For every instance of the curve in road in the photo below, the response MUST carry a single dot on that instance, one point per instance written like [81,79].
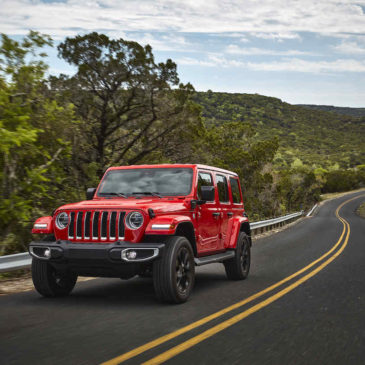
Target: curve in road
[227,323]
[321,321]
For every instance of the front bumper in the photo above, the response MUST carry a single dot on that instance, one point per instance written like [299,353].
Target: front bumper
[118,252]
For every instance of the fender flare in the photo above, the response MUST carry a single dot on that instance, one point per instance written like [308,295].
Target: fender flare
[166,224]
[48,229]
[235,226]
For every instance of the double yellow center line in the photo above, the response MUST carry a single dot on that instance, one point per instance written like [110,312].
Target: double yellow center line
[229,322]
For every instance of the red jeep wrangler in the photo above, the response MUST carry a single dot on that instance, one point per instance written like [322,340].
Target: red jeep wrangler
[159,220]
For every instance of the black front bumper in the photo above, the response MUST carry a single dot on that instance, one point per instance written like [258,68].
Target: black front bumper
[97,259]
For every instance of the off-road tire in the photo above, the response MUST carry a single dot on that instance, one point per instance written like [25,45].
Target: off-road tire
[238,267]
[174,272]
[50,283]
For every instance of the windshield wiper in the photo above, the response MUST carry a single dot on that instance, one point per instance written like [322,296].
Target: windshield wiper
[147,193]
[117,194]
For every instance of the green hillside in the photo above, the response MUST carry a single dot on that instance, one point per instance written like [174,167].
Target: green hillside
[307,136]
[354,112]
[59,134]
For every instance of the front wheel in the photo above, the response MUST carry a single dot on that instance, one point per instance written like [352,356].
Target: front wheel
[238,267]
[174,273]
[49,282]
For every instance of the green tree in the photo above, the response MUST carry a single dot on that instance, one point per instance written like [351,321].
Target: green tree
[234,146]
[132,109]
[32,149]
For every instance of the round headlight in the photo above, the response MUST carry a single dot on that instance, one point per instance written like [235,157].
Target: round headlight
[62,220]
[134,220]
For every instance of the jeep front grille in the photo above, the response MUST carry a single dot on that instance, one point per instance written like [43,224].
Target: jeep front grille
[96,226]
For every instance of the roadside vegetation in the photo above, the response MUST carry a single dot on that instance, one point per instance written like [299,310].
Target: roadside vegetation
[361,210]
[120,107]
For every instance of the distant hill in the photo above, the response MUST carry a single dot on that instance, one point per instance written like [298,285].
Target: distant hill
[307,135]
[354,112]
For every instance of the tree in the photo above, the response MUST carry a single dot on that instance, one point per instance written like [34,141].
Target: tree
[31,129]
[131,108]
[234,146]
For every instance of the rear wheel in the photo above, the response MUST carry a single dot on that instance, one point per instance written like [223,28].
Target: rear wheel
[238,267]
[49,282]
[174,273]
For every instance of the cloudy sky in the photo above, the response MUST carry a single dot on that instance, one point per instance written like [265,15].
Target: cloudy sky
[301,51]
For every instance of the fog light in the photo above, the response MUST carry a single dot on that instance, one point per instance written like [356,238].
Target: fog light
[47,253]
[131,255]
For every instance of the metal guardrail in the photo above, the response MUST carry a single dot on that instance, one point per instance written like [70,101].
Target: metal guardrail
[268,224]
[312,210]
[23,260]
[15,262]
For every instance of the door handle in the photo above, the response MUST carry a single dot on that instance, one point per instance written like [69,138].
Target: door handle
[230,214]
[216,215]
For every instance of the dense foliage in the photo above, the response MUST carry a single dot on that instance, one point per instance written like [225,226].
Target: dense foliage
[307,137]
[354,112]
[35,132]
[58,134]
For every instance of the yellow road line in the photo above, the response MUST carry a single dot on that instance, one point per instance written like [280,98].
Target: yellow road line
[152,344]
[237,318]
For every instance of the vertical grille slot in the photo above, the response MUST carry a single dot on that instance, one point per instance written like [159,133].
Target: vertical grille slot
[87,226]
[112,225]
[79,225]
[71,226]
[121,226]
[104,225]
[96,225]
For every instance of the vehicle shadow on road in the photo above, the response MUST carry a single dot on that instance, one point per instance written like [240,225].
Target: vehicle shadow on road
[136,291]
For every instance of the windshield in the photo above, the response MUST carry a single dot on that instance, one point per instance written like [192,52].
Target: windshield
[153,181]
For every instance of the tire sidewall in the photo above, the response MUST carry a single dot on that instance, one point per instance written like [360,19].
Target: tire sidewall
[43,276]
[164,271]
[245,245]
[180,244]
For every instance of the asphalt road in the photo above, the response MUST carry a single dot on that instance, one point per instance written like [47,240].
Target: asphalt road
[314,317]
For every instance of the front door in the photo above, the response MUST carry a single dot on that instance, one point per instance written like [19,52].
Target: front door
[208,218]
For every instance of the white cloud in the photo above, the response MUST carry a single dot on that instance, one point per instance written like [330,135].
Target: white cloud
[189,61]
[286,65]
[280,19]
[163,42]
[276,36]
[244,40]
[213,60]
[349,48]
[299,65]
[252,51]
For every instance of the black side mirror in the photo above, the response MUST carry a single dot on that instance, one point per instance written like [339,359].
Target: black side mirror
[90,192]
[207,193]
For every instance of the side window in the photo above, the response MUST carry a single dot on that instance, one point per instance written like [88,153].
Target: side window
[222,188]
[204,179]
[235,190]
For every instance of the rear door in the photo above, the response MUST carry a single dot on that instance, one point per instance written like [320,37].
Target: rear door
[236,196]
[208,217]
[225,207]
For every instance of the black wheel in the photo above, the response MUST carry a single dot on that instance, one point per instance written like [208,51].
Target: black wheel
[174,273]
[238,267]
[50,283]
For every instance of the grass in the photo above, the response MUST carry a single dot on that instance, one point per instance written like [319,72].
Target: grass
[337,195]
[361,210]
[23,273]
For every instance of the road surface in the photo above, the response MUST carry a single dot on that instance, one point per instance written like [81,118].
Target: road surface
[303,303]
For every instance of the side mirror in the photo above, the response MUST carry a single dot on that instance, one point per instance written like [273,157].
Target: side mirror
[90,192]
[207,193]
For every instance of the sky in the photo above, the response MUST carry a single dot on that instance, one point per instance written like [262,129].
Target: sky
[301,51]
